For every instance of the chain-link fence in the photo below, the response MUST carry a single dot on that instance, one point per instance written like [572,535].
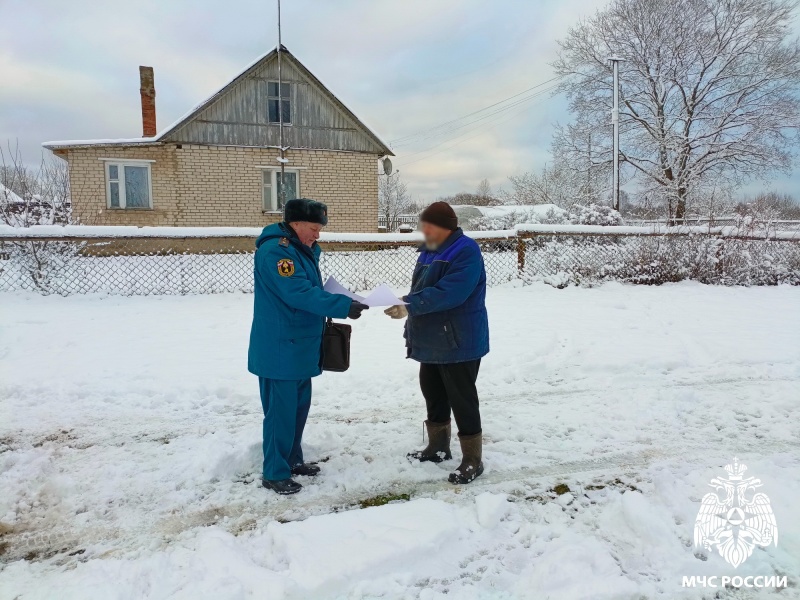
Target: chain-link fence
[131,265]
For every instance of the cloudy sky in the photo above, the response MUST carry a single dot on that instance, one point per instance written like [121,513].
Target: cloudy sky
[69,70]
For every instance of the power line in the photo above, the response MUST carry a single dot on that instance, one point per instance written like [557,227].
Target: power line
[499,122]
[481,118]
[406,139]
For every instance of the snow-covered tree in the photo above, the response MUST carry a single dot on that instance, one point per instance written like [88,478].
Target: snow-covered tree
[709,90]
[394,199]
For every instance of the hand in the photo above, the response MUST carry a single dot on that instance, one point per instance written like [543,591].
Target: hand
[397,312]
[356,308]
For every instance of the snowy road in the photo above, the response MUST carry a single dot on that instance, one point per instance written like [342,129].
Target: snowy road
[129,450]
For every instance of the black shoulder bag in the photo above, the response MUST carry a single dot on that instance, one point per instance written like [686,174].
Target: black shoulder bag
[336,347]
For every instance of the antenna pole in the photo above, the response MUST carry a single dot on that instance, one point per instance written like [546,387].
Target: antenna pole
[282,186]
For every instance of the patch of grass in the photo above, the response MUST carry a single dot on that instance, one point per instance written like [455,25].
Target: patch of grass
[561,489]
[382,499]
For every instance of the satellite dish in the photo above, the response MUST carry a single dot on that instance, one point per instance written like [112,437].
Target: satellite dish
[387,166]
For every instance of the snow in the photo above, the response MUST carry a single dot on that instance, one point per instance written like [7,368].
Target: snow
[89,231]
[9,197]
[130,450]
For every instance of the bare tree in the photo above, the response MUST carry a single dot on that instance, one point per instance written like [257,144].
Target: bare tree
[393,199]
[33,197]
[709,89]
[36,197]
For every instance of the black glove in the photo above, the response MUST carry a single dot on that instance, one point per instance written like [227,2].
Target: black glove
[356,308]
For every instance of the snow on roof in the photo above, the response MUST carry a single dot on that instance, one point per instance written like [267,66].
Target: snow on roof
[9,197]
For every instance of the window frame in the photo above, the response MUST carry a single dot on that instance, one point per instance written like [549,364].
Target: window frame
[273,184]
[120,181]
[289,99]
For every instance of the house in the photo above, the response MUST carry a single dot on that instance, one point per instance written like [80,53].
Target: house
[219,165]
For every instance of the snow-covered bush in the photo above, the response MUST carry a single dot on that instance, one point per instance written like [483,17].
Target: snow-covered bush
[507,217]
[653,260]
[594,214]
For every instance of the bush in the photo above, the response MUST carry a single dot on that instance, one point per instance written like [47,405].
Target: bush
[594,214]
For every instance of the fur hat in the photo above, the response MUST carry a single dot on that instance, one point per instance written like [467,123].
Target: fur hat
[303,209]
[441,214]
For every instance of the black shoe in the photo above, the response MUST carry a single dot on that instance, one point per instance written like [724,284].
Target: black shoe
[307,469]
[284,487]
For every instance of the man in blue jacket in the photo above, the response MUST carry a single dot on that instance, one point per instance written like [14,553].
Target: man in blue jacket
[285,352]
[447,332]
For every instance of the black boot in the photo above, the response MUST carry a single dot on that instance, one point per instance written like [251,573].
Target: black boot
[471,465]
[284,487]
[438,448]
[307,469]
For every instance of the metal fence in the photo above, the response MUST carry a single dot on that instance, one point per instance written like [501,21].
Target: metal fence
[143,265]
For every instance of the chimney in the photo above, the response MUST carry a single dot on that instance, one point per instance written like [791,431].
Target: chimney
[147,91]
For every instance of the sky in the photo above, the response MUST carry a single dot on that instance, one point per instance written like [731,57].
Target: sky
[69,70]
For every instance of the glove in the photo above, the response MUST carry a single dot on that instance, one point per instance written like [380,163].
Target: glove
[356,308]
[397,312]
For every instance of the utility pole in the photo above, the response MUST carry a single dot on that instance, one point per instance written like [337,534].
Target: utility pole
[615,122]
[282,185]
[589,191]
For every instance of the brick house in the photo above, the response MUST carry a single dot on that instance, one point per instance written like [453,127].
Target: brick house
[218,165]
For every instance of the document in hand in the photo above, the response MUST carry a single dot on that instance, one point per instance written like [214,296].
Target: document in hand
[380,296]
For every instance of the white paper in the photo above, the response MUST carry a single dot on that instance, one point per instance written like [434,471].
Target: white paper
[380,296]
[334,287]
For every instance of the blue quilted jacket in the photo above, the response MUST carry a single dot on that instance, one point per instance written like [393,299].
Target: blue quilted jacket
[447,319]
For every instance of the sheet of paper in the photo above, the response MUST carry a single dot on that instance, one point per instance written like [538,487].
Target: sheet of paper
[334,287]
[382,296]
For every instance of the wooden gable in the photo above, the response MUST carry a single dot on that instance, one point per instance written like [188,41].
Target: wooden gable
[237,115]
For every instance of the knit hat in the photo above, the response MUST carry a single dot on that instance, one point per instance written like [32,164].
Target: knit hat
[303,209]
[441,214]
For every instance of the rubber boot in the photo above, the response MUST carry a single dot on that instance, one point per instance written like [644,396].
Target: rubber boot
[438,448]
[471,465]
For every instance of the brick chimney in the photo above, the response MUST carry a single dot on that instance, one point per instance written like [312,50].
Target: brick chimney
[147,91]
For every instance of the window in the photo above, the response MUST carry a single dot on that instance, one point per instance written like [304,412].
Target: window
[284,101]
[128,185]
[271,179]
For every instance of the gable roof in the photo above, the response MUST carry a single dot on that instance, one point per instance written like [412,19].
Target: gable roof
[170,133]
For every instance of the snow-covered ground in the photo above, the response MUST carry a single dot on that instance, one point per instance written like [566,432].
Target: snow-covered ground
[130,451]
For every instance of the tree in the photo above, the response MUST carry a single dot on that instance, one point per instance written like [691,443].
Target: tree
[393,200]
[709,89]
[33,197]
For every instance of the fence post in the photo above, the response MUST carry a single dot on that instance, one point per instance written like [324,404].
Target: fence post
[520,255]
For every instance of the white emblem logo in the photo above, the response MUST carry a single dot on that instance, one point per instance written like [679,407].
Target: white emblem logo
[735,524]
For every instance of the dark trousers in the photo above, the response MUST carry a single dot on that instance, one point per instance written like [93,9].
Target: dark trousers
[286,404]
[452,386]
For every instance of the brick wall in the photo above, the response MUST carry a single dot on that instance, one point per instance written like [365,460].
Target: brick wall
[221,186]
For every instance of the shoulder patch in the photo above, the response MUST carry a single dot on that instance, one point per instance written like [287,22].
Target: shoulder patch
[285,267]
[284,242]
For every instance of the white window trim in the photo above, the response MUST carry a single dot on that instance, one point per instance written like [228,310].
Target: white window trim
[120,164]
[273,208]
[127,160]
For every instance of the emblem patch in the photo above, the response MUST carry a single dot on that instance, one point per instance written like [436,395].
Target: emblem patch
[285,267]
[735,519]
[284,242]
